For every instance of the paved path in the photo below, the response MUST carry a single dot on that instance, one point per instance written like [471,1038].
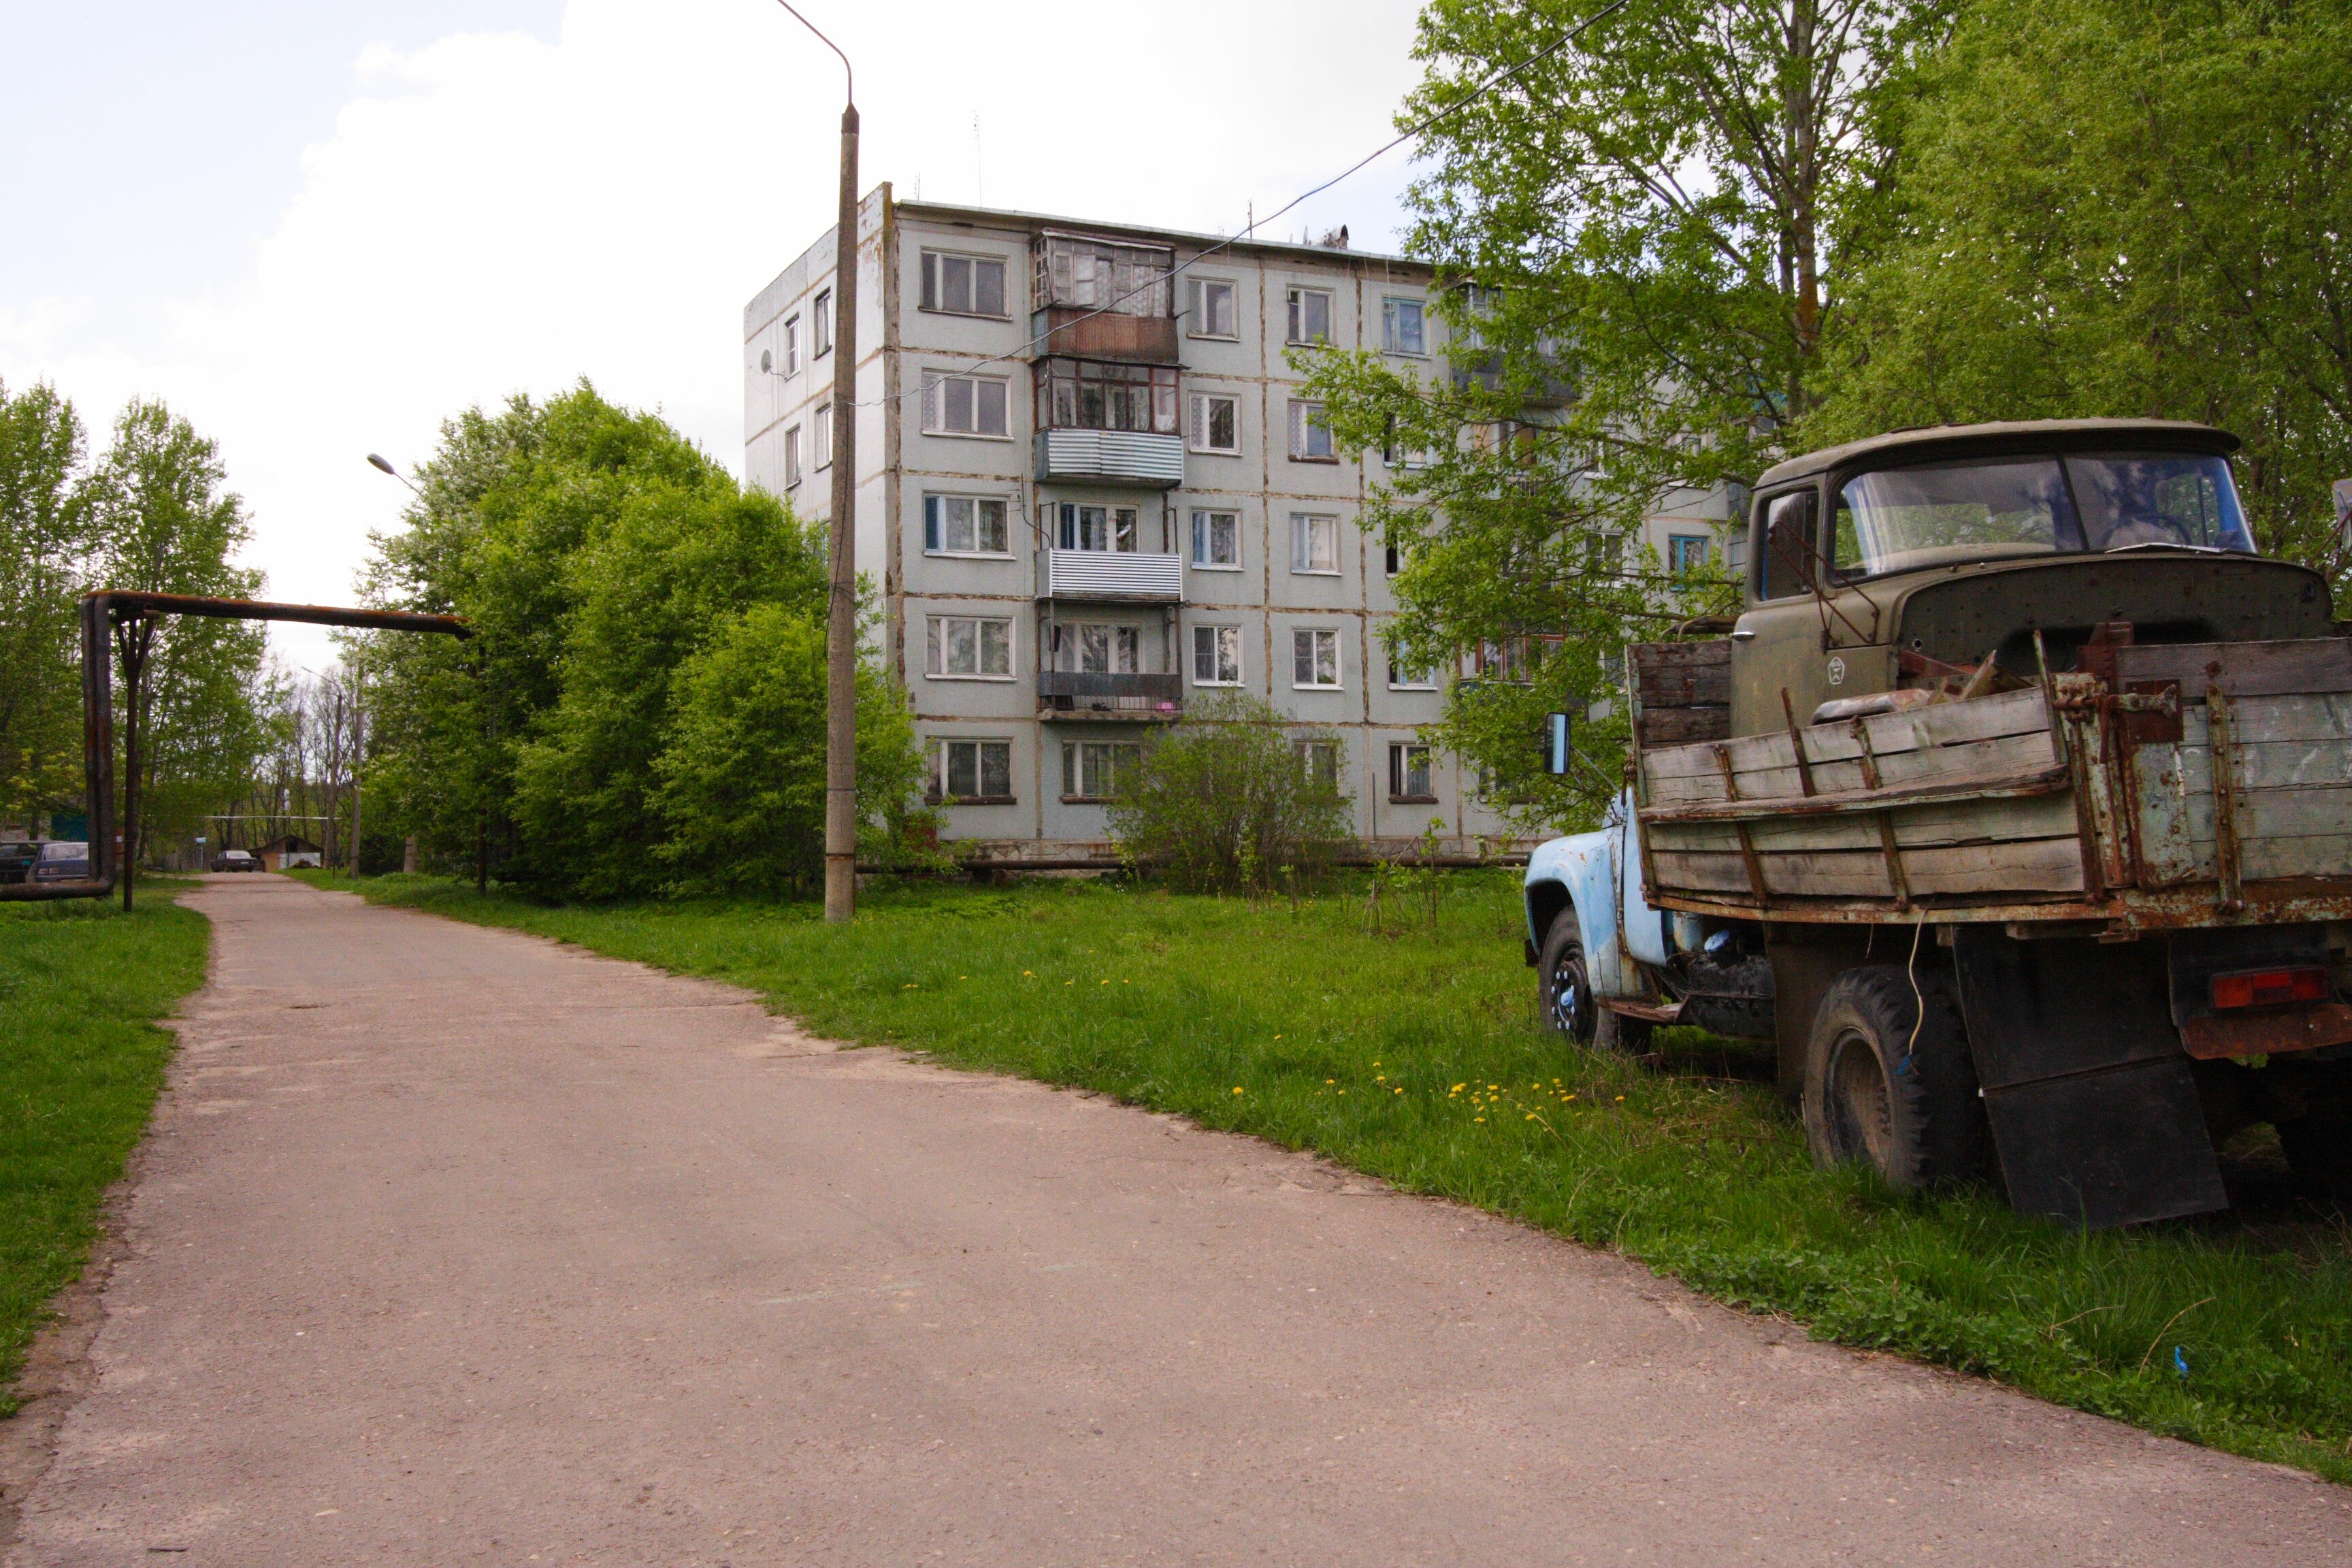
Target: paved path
[453,1246]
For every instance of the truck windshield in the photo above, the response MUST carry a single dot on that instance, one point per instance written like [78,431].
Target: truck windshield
[1898,520]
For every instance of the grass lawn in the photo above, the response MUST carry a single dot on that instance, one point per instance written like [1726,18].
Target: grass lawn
[81,986]
[1415,1055]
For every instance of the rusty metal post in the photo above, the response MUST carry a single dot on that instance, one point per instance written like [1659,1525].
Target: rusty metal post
[138,635]
[840,623]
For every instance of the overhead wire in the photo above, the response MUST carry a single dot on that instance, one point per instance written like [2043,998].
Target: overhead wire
[1248,233]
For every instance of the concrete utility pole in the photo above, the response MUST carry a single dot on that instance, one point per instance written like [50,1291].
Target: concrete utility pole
[841,622]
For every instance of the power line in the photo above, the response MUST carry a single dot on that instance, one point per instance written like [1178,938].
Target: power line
[1256,223]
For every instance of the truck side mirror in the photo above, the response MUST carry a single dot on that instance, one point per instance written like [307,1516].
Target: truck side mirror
[1556,747]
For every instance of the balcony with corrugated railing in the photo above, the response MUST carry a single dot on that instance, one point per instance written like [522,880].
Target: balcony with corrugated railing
[1153,698]
[1110,576]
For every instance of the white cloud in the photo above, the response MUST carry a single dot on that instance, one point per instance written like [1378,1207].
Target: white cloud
[497,213]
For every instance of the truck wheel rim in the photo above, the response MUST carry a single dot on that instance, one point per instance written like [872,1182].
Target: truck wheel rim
[1858,1093]
[1567,999]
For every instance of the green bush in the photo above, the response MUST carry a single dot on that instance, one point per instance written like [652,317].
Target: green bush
[1228,801]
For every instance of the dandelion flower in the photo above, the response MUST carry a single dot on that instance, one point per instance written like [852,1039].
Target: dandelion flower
[1238,1089]
[1621,1100]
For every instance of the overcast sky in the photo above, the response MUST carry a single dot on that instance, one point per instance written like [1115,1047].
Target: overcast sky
[319,227]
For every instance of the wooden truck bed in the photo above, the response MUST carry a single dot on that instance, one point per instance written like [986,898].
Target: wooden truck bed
[2085,797]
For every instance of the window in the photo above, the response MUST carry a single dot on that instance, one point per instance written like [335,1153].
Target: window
[1402,326]
[792,345]
[966,648]
[1685,551]
[965,525]
[963,285]
[1310,434]
[1314,543]
[791,457]
[1216,423]
[963,405]
[1409,778]
[1403,679]
[1319,761]
[1791,549]
[1392,556]
[1315,658]
[1098,649]
[1131,280]
[1217,541]
[1110,528]
[1310,316]
[1213,313]
[1090,769]
[1080,394]
[1216,655]
[1506,659]
[973,773]
[821,324]
[824,436]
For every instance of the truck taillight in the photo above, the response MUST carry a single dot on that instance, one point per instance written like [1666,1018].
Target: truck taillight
[2269,987]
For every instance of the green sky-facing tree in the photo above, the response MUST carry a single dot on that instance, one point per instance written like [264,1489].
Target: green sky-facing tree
[44,554]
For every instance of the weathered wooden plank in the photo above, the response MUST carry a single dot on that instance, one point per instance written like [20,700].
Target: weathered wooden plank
[1996,871]
[2275,764]
[2040,865]
[1677,726]
[2248,668]
[1998,820]
[1683,685]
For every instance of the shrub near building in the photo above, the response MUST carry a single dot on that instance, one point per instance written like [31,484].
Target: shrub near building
[1231,800]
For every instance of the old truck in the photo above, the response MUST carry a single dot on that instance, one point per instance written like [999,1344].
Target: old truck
[2015,807]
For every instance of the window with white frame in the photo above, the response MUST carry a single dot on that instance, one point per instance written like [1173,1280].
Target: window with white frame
[1214,311]
[968,647]
[1314,543]
[821,324]
[1310,316]
[1110,527]
[964,405]
[963,285]
[1314,658]
[1310,433]
[792,345]
[1216,423]
[1091,769]
[973,773]
[1403,679]
[1217,541]
[966,525]
[1403,329]
[791,457]
[1216,655]
[1409,773]
[823,437]
[1319,761]
[1097,647]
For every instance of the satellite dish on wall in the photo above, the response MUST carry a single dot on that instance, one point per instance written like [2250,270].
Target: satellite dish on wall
[766,361]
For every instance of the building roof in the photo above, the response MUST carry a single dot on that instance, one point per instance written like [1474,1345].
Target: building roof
[1932,441]
[1174,239]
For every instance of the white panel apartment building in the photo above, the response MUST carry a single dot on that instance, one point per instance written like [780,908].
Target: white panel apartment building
[1081,519]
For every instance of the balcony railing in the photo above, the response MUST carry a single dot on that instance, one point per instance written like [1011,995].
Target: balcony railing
[1080,694]
[1073,332]
[1111,456]
[1110,575]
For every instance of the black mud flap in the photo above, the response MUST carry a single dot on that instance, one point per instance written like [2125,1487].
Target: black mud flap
[2093,1110]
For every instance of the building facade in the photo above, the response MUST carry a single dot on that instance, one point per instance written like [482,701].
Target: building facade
[1089,493]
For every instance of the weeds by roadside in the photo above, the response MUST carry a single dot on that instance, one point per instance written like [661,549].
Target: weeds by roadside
[81,1059]
[1416,1058]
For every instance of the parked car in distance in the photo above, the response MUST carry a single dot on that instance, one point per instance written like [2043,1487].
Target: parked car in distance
[62,860]
[236,861]
[16,859]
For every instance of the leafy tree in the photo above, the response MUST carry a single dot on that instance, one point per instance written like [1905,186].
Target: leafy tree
[596,553]
[741,781]
[45,549]
[1643,236]
[161,521]
[2128,207]
[1226,801]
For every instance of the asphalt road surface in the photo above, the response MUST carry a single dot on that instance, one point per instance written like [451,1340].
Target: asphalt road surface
[453,1246]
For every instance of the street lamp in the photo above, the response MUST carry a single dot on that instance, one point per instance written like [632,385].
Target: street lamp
[841,620]
[378,460]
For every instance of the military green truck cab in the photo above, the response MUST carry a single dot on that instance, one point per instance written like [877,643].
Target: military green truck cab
[2015,809]
[1873,564]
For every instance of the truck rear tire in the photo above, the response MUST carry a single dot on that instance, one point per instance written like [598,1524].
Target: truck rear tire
[1887,1087]
[2318,1143]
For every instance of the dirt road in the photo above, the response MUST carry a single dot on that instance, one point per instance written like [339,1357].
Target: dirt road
[452,1246]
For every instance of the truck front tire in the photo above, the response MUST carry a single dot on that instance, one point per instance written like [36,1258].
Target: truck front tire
[1889,1088]
[1563,988]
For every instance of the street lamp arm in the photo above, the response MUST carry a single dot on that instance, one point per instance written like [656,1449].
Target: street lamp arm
[850,90]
